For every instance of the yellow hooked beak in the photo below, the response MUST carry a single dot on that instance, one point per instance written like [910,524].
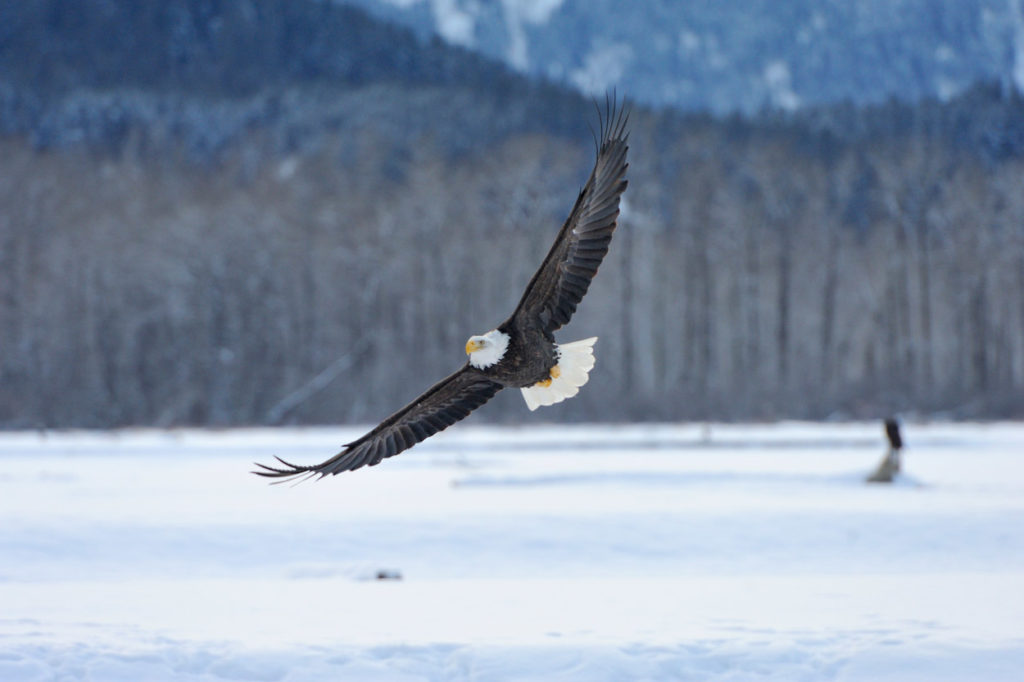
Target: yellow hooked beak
[473,346]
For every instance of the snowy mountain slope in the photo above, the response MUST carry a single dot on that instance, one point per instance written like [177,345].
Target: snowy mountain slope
[738,54]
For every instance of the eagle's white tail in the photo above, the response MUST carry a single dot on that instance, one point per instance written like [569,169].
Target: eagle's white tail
[575,360]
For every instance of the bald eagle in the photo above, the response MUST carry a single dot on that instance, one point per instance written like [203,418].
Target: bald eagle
[520,352]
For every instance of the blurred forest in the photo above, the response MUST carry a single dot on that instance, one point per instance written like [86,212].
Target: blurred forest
[231,213]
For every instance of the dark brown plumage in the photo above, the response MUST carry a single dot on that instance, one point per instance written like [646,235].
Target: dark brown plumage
[890,464]
[563,278]
[892,432]
[444,403]
[530,355]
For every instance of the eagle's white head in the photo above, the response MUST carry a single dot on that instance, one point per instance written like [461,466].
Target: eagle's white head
[485,350]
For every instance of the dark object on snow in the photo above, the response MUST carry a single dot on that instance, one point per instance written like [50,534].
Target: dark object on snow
[890,464]
[521,352]
[387,574]
[892,432]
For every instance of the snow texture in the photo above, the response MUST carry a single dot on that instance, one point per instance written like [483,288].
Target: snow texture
[1017,15]
[729,55]
[586,553]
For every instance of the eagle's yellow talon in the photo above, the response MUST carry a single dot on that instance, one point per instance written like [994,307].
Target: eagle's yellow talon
[554,374]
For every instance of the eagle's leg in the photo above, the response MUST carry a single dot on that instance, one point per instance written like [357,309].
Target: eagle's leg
[553,374]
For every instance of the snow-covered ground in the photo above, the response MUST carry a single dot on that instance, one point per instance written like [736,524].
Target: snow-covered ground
[555,553]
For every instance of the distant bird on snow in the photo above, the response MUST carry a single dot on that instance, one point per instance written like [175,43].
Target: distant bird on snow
[890,465]
[521,352]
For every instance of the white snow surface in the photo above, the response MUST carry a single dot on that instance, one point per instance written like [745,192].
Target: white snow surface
[607,553]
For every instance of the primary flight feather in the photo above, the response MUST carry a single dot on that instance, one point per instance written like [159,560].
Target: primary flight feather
[521,352]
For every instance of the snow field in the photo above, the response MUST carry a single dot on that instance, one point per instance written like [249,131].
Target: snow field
[556,553]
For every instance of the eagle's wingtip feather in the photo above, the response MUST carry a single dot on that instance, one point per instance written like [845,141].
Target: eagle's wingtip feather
[288,472]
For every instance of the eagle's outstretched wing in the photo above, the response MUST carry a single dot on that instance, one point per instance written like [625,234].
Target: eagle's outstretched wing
[444,403]
[558,286]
